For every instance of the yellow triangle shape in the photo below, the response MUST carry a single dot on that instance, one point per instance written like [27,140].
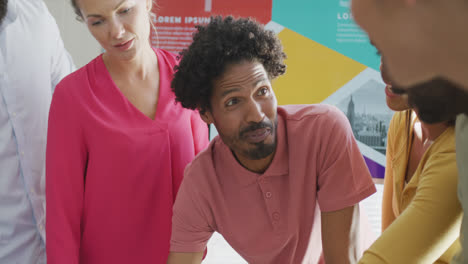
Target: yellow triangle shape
[314,72]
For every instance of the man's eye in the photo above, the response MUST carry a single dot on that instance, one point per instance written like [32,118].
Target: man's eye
[263,91]
[232,102]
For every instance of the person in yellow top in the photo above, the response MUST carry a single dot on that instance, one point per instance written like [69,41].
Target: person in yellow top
[421,215]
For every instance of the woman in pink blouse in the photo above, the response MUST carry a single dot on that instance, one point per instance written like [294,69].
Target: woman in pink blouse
[117,145]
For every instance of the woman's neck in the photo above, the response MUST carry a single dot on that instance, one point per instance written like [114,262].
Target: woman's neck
[430,132]
[140,66]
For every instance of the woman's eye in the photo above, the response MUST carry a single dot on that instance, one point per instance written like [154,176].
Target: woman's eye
[125,11]
[96,23]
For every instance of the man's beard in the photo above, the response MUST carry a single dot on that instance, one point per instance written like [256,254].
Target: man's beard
[435,101]
[3,10]
[261,150]
[438,100]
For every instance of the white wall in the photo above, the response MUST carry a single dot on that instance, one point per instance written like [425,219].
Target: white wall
[76,37]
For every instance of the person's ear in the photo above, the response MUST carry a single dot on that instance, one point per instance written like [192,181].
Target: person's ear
[207,117]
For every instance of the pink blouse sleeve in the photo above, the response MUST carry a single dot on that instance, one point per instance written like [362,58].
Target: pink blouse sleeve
[65,175]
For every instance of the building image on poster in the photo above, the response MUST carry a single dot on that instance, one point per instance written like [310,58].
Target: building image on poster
[368,119]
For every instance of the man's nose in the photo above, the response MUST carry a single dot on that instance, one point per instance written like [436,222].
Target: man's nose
[255,112]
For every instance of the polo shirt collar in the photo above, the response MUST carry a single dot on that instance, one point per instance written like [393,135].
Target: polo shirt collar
[278,167]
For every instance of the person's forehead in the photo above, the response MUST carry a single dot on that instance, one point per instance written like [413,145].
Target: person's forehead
[244,67]
[102,6]
[241,73]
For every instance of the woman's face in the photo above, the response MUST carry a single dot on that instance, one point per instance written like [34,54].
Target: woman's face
[122,27]
[396,102]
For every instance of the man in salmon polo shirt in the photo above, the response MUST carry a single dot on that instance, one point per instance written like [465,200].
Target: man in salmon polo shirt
[280,183]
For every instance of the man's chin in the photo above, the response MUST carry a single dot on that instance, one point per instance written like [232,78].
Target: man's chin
[433,118]
[260,151]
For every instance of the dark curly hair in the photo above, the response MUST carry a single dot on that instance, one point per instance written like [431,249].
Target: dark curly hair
[216,45]
[3,10]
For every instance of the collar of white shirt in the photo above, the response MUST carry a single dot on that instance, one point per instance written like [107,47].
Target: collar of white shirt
[11,15]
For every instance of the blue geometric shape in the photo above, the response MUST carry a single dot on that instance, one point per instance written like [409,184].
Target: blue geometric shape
[327,22]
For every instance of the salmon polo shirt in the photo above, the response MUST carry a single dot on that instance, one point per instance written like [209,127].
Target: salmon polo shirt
[271,217]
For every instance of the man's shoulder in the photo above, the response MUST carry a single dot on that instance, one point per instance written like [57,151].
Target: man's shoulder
[313,125]
[311,115]
[33,12]
[30,6]
[202,165]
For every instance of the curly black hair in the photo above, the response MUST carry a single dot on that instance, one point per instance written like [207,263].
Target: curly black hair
[222,42]
[3,10]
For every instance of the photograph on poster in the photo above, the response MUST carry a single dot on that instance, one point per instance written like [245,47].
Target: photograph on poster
[368,119]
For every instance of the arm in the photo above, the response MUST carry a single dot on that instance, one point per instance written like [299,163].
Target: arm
[340,235]
[429,225]
[191,221]
[65,169]
[387,200]
[343,181]
[185,258]
[61,63]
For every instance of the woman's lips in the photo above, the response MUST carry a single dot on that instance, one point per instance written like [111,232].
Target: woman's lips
[389,92]
[125,45]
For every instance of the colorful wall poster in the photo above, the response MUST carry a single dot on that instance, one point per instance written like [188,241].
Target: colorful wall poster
[175,19]
[330,59]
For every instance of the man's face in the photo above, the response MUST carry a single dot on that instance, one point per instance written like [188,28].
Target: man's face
[3,10]
[243,110]
[435,101]
[402,33]
[438,100]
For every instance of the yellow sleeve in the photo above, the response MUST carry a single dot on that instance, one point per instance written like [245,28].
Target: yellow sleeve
[387,211]
[429,225]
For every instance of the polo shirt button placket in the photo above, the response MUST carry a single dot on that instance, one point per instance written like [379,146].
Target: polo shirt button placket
[261,180]
[268,195]
[276,218]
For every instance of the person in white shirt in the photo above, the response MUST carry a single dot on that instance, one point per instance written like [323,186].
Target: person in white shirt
[32,61]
